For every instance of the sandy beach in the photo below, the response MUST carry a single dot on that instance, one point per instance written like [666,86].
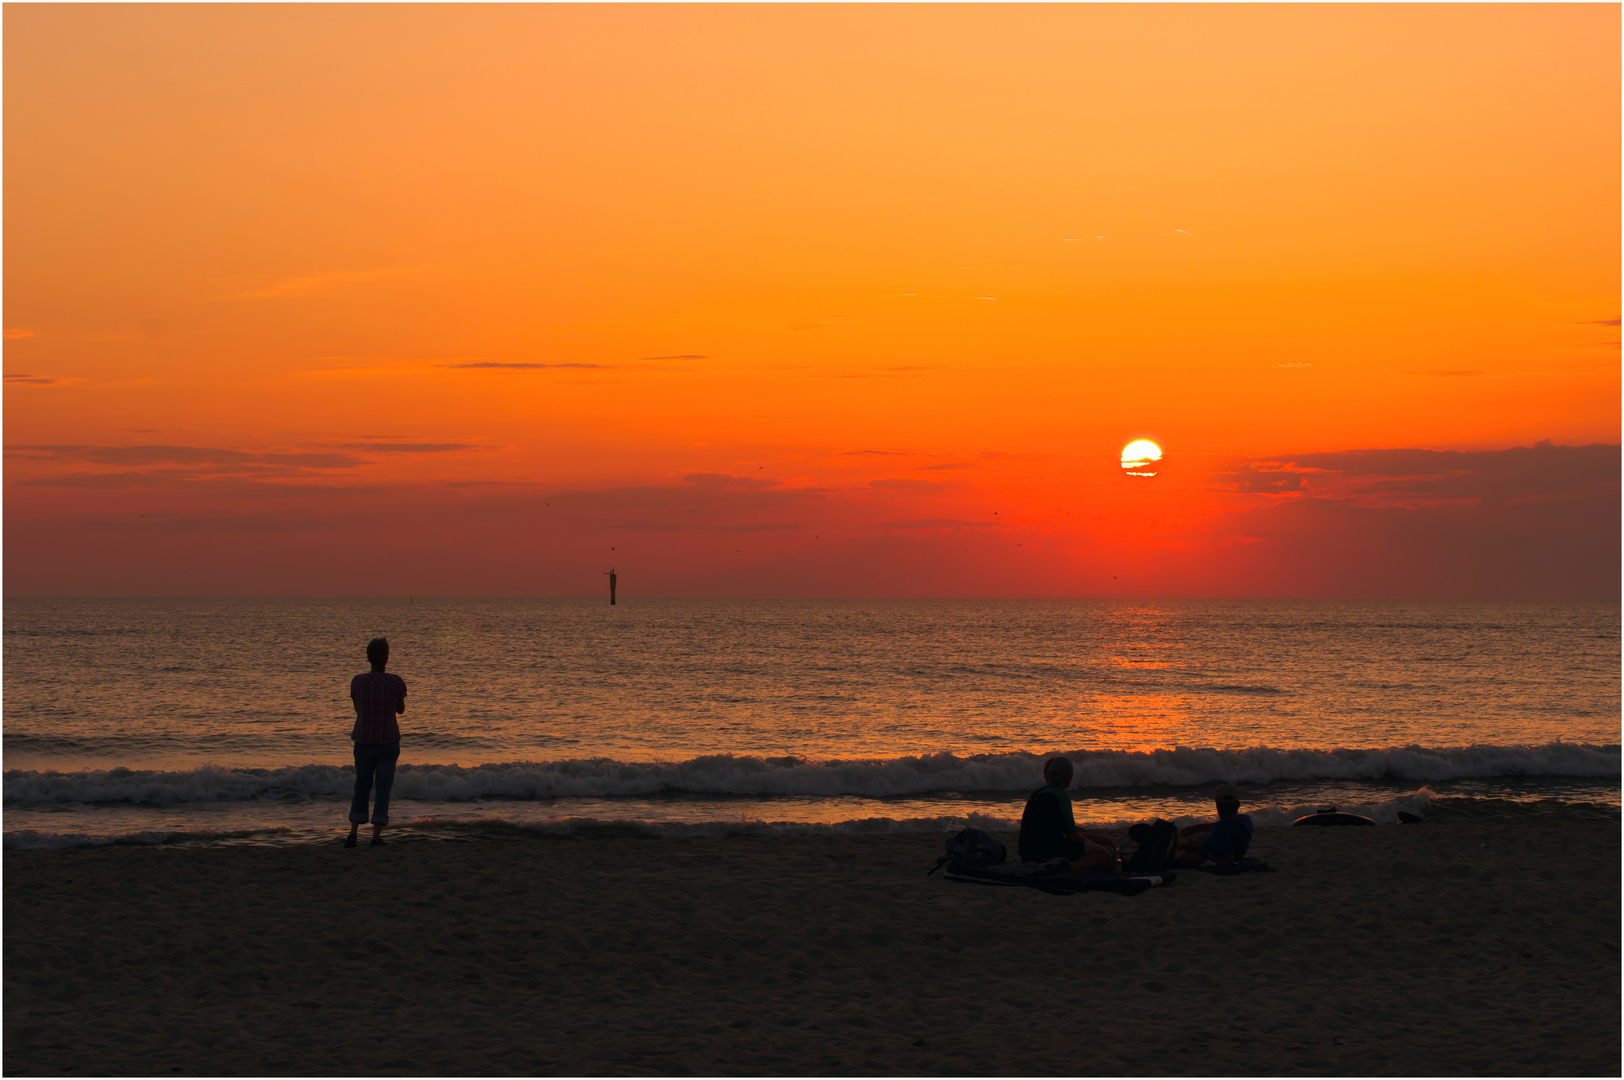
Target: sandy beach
[1457,946]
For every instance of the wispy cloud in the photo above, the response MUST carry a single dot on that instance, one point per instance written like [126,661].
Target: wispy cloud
[12,335]
[1296,364]
[495,365]
[937,523]
[279,522]
[884,373]
[1377,478]
[681,356]
[217,470]
[109,481]
[747,528]
[891,485]
[181,455]
[1537,521]
[1592,322]
[1260,479]
[379,371]
[209,482]
[411,448]
[37,380]
[322,282]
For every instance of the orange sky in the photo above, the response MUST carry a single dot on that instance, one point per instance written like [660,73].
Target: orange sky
[791,300]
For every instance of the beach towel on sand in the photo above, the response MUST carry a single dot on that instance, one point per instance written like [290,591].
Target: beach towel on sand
[1055,876]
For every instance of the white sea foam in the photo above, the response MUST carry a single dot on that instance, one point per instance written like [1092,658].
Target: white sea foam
[730,775]
[1381,811]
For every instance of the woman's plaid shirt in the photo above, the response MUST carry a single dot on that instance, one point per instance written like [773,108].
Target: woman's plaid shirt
[378,696]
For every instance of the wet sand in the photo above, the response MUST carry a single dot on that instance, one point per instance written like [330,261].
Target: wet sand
[1468,946]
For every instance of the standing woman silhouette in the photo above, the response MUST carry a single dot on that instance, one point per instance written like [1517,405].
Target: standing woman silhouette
[378,698]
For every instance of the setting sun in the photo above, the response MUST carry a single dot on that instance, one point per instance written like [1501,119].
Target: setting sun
[1140,457]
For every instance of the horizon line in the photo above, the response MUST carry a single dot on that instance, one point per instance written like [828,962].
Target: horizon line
[596,597]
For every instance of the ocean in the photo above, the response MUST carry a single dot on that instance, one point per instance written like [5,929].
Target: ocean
[227,720]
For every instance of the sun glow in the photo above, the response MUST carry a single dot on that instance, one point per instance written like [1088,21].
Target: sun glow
[787,312]
[1140,457]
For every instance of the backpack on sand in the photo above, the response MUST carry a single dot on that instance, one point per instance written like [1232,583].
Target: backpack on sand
[971,847]
[1158,847]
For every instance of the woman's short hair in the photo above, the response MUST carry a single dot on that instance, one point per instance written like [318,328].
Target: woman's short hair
[1058,771]
[378,650]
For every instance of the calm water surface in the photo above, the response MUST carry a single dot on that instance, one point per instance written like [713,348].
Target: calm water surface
[161,712]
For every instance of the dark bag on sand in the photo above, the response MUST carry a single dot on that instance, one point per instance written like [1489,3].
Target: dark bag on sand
[971,847]
[1158,847]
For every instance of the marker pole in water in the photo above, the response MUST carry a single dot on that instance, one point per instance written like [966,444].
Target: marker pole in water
[611,574]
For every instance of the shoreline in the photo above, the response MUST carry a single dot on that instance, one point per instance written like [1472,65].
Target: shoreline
[1468,946]
[315,822]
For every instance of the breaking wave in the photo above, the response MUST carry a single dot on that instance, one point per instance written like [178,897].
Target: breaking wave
[728,774]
